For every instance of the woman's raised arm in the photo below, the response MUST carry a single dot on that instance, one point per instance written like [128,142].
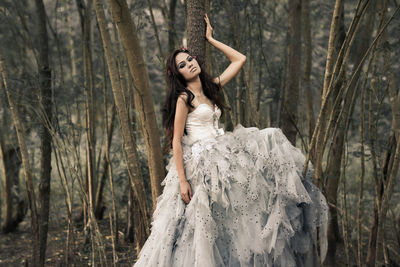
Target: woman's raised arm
[237,59]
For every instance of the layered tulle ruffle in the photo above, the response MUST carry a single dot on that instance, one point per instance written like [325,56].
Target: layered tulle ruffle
[250,206]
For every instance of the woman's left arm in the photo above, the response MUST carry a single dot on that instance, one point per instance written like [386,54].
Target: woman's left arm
[237,59]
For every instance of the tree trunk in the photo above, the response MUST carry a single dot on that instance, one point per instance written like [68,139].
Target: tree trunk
[208,64]
[107,162]
[171,26]
[25,162]
[393,162]
[246,106]
[334,162]
[330,59]
[291,96]
[10,164]
[130,220]
[5,161]
[99,208]
[85,19]
[132,159]
[307,68]
[394,158]
[45,148]
[71,45]
[332,173]
[143,98]
[380,177]
[322,132]
[196,29]
[332,176]
[2,174]
[364,42]
[153,23]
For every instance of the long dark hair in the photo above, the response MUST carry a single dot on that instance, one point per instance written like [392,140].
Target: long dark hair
[177,85]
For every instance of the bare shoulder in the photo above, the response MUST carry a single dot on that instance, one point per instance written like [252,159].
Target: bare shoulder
[181,103]
[181,112]
[183,97]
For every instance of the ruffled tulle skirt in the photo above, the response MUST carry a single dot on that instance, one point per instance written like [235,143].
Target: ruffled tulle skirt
[250,206]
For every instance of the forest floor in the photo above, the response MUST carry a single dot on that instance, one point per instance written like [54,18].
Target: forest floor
[15,248]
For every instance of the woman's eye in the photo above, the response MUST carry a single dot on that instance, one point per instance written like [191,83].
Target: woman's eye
[181,66]
[190,58]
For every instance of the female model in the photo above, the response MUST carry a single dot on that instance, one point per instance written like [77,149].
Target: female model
[230,199]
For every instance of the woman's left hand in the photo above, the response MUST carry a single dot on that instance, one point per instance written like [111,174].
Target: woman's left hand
[209,28]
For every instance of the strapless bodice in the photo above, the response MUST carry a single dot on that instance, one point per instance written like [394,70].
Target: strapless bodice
[201,123]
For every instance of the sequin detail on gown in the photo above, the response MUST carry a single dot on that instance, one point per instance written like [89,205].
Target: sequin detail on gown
[250,205]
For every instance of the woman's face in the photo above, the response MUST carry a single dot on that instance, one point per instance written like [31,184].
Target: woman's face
[187,66]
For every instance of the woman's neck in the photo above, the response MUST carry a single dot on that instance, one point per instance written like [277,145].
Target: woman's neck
[195,87]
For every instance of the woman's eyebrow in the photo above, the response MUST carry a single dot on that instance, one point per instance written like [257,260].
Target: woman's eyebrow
[182,60]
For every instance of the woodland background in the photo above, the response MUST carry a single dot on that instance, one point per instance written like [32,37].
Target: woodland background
[81,137]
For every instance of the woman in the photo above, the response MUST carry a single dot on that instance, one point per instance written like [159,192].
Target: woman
[234,198]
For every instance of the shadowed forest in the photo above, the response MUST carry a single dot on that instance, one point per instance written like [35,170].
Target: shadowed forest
[82,146]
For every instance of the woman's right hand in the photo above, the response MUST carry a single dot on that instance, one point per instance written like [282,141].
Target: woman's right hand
[209,28]
[186,191]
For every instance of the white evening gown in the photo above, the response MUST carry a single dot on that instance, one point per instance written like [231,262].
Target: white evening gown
[250,204]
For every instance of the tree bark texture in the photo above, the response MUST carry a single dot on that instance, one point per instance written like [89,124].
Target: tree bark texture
[45,136]
[10,163]
[332,172]
[322,132]
[144,102]
[2,174]
[394,158]
[334,162]
[380,177]
[7,190]
[153,22]
[88,85]
[171,26]
[71,45]
[195,28]
[130,219]
[132,159]
[316,151]
[307,68]
[291,97]
[99,208]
